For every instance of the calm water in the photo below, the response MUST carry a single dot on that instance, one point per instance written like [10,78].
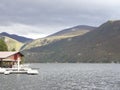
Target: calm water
[65,77]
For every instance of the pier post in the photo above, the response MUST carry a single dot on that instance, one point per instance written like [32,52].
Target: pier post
[18,64]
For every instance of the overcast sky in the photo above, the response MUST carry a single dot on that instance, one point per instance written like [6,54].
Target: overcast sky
[38,18]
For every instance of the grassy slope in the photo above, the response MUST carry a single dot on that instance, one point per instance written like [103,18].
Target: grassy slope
[67,33]
[100,45]
[47,40]
[12,44]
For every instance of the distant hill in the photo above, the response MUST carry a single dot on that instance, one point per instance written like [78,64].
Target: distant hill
[16,37]
[77,30]
[13,45]
[99,45]
[66,33]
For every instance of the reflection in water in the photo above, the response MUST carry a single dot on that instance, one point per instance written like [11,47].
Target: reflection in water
[65,77]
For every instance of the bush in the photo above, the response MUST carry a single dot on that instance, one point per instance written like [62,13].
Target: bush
[3,46]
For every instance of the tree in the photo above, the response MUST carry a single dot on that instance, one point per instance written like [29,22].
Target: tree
[3,46]
[13,49]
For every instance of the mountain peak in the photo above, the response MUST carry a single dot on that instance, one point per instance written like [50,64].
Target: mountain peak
[16,37]
[114,22]
[4,33]
[74,30]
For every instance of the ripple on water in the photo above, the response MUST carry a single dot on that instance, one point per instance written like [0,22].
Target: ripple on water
[65,77]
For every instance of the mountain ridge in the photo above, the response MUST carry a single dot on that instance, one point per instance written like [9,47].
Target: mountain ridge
[66,33]
[99,45]
[73,29]
[16,37]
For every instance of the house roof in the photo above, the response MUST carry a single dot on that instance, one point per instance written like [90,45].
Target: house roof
[7,54]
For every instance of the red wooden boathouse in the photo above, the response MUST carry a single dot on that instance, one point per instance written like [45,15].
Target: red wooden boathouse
[8,59]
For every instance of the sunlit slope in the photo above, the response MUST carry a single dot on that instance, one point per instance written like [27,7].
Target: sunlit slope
[13,45]
[100,45]
[66,33]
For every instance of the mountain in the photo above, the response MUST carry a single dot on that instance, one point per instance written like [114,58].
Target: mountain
[16,37]
[12,44]
[77,30]
[66,33]
[99,45]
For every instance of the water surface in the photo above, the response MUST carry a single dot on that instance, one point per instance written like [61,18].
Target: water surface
[65,77]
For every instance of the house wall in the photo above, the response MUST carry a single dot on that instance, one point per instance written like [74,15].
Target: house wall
[15,57]
[11,57]
[10,63]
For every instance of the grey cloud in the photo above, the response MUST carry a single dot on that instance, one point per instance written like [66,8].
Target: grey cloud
[57,13]
[51,11]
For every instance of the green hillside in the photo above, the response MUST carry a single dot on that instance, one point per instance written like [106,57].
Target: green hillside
[100,45]
[3,46]
[66,33]
[13,45]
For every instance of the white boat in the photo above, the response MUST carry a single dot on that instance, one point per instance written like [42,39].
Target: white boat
[32,72]
[2,70]
[18,70]
[7,72]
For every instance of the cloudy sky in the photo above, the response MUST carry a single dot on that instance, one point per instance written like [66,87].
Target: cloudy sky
[38,18]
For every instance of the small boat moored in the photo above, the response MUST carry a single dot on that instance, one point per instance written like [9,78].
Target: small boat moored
[8,71]
[32,72]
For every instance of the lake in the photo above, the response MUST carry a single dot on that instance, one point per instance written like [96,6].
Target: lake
[65,76]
